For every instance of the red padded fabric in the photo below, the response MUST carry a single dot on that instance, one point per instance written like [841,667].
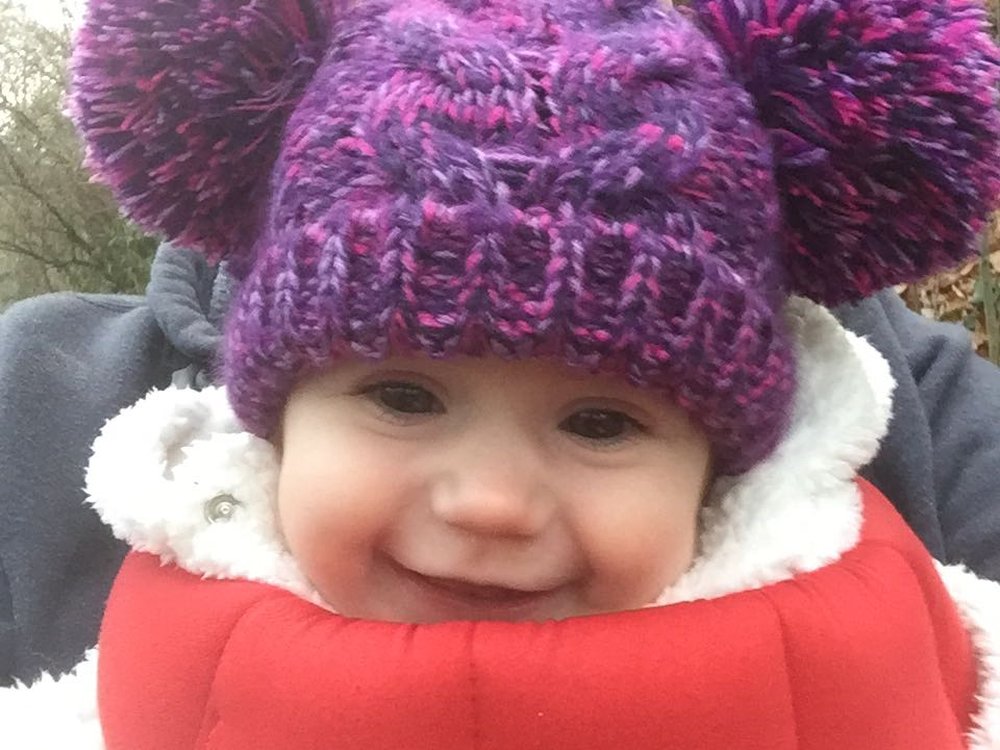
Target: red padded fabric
[867,654]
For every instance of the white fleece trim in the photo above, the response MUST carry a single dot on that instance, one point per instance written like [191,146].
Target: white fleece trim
[978,603]
[800,509]
[158,466]
[54,714]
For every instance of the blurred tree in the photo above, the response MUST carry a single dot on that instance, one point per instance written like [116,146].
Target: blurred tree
[970,294]
[57,230]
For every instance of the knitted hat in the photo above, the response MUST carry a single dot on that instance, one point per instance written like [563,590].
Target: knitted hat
[620,185]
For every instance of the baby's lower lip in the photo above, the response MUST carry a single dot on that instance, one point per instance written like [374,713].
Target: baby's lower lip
[450,599]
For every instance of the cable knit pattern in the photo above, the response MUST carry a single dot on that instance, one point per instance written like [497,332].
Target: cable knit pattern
[529,181]
[595,180]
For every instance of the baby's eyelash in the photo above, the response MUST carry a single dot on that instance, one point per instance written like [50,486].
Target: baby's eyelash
[401,399]
[603,427]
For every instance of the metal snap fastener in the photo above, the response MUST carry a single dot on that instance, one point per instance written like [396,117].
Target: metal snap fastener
[221,508]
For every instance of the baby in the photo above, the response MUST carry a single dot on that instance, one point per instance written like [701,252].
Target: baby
[518,353]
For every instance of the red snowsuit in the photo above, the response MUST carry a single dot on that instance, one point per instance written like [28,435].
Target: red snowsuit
[867,653]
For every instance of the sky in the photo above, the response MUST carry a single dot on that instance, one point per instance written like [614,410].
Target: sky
[48,11]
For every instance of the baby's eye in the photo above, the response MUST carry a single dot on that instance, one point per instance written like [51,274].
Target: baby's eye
[605,425]
[405,398]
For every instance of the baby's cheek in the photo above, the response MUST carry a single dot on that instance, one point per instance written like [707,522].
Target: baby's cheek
[331,519]
[639,543]
[299,511]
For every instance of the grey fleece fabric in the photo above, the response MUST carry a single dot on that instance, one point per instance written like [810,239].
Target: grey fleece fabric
[68,362]
[940,462]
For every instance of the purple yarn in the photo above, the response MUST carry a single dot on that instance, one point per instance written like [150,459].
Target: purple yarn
[884,118]
[512,185]
[594,181]
[182,104]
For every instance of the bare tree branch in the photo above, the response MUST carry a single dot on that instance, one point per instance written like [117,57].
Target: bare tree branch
[48,262]
[32,127]
[24,183]
[57,229]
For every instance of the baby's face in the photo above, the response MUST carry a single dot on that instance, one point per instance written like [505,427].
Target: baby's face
[420,491]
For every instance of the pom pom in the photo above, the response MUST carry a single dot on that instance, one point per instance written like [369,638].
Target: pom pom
[181,104]
[883,117]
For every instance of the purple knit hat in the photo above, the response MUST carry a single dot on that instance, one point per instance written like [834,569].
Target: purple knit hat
[609,182]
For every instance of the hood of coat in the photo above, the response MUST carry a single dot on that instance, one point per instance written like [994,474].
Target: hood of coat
[176,475]
[189,299]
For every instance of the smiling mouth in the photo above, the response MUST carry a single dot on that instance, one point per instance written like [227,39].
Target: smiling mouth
[457,599]
[478,592]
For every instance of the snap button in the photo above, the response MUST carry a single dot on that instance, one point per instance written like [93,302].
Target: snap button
[221,508]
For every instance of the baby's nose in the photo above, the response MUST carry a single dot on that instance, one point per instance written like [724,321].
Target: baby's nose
[493,500]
